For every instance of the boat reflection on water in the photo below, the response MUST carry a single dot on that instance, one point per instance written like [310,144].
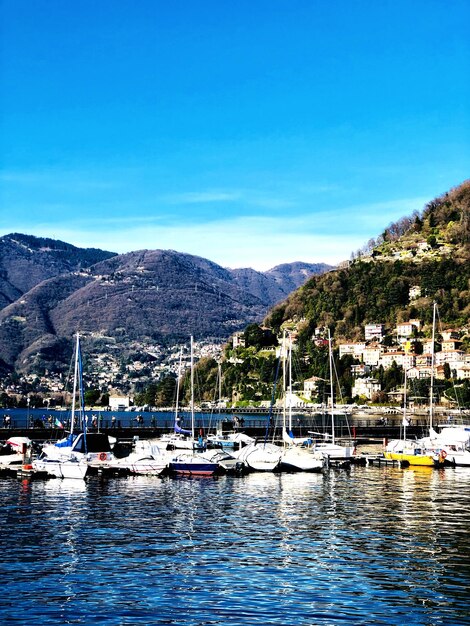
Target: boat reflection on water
[368,545]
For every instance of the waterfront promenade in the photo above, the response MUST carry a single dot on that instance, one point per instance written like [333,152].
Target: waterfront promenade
[363,432]
[374,427]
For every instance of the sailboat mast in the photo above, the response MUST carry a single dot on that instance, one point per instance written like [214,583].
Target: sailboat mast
[75,379]
[81,392]
[330,354]
[178,378]
[219,372]
[405,421]
[192,388]
[284,388]
[290,383]
[431,387]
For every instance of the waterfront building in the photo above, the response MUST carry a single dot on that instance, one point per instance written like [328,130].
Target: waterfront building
[119,403]
[311,387]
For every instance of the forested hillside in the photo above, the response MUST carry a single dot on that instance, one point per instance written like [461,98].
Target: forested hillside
[429,251]
[420,259]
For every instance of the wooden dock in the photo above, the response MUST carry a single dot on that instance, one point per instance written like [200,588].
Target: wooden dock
[378,460]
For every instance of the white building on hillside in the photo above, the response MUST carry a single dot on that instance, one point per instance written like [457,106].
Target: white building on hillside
[311,387]
[366,387]
[463,371]
[354,348]
[388,358]
[238,340]
[371,354]
[374,331]
[406,329]
[452,357]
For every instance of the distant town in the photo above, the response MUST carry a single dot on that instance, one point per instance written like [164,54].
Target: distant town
[118,379]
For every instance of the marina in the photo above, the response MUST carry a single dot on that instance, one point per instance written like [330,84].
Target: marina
[125,430]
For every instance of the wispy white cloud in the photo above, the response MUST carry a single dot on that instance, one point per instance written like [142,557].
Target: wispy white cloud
[201,197]
[260,243]
[247,197]
[368,219]
[278,225]
[57,179]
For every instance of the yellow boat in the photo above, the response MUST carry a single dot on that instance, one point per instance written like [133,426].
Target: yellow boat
[410,452]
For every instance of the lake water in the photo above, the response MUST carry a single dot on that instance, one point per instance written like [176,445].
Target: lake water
[365,546]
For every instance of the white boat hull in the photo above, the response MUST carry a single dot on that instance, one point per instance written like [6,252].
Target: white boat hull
[225,460]
[260,457]
[302,460]
[147,458]
[460,458]
[61,469]
[192,465]
[453,441]
[334,451]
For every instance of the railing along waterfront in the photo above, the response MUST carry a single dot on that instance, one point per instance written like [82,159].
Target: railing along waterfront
[39,424]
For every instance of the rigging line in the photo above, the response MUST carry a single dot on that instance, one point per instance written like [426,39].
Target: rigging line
[216,394]
[68,378]
[82,395]
[340,393]
[268,423]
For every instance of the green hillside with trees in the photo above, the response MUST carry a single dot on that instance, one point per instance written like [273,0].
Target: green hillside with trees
[428,251]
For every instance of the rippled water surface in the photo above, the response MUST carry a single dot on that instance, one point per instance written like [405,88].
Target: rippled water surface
[366,546]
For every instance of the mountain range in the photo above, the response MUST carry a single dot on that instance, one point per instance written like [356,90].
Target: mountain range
[51,289]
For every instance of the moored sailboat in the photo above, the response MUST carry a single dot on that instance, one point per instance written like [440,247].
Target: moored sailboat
[180,438]
[415,452]
[90,449]
[146,458]
[192,463]
[330,447]
[297,454]
[265,456]
[451,442]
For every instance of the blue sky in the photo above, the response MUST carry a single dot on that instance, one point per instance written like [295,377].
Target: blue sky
[251,133]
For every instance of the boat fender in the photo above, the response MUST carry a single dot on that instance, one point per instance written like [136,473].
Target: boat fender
[442,456]
[102,456]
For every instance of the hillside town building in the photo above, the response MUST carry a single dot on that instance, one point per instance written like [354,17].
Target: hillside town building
[311,387]
[374,331]
[366,387]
